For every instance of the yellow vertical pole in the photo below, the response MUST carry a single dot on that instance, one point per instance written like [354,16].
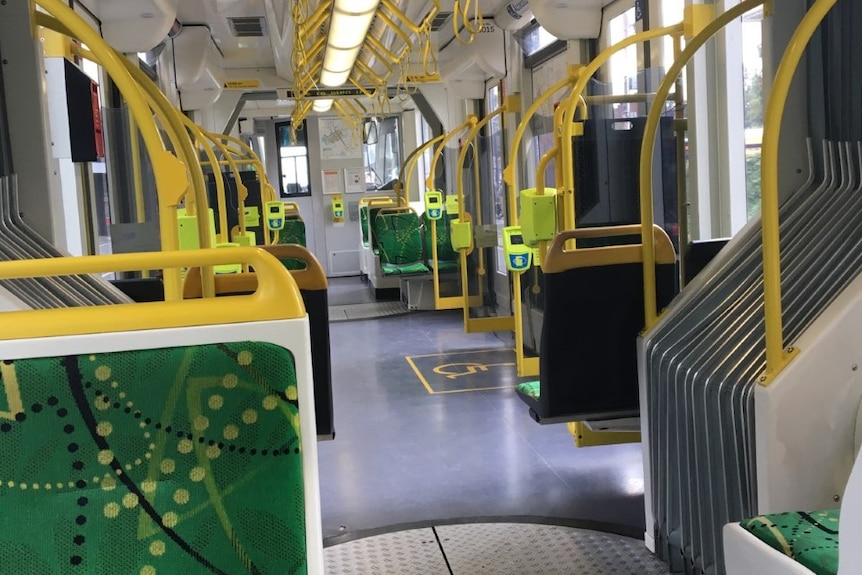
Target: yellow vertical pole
[776,357]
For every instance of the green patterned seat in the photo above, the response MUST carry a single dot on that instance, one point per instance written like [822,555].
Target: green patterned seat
[531,389]
[165,461]
[293,233]
[448,260]
[400,240]
[809,538]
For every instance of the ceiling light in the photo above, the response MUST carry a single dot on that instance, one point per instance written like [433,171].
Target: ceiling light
[322,105]
[347,30]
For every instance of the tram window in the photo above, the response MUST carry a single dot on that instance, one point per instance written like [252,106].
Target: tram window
[293,160]
[752,62]
[538,45]
[623,66]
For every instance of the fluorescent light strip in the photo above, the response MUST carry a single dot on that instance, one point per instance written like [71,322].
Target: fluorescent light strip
[351,20]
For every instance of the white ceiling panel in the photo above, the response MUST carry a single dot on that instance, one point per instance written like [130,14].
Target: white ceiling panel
[238,51]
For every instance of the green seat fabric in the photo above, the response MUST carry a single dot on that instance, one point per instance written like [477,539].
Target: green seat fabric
[448,259]
[367,216]
[364,218]
[403,269]
[809,538]
[400,240]
[293,233]
[530,389]
[165,461]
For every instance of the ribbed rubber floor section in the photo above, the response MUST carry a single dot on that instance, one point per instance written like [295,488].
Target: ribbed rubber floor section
[493,549]
[366,310]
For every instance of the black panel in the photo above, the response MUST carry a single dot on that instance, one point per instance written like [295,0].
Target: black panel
[249,178]
[317,306]
[607,172]
[699,254]
[589,359]
[82,122]
[142,290]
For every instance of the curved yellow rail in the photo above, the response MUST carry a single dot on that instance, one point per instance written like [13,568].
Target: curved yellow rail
[586,75]
[510,175]
[776,357]
[402,190]
[462,155]
[470,121]
[276,297]
[650,132]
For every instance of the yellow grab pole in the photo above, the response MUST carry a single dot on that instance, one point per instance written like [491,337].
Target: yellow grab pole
[170,173]
[568,183]
[471,121]
[650,131]
[776,357]
[402,190]
[510,174]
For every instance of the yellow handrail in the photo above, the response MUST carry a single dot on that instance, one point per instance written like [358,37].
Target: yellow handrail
[471,120]
[276,297]
[776,357]
[402,186]
[510,171]
[170,173]
[462,155]
[647,148]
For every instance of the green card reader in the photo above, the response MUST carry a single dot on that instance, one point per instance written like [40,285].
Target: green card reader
[274,215]
[519,255]
[434,204]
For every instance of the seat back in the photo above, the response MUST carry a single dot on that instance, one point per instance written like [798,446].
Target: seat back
[594,312]
[368,209]
[399,237]
[312,283]
[168,437]
[444,241]
[293,233]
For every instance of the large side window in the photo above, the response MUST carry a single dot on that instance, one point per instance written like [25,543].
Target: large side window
[752,64]
[293,160]
[544,76]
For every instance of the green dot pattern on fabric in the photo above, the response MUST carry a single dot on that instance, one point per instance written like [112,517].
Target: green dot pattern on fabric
[400,240]
[445,253]
[293,233]
[809,538]
[531,389]
[153,462]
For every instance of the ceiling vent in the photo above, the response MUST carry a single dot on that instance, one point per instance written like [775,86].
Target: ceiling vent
[248,27]
[440,19]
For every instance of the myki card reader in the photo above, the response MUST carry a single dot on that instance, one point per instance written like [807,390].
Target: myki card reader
[519,256]
[434,204]
[274,215]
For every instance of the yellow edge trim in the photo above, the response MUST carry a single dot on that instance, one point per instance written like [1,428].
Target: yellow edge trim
[419,374]
[276,298]
[489,324]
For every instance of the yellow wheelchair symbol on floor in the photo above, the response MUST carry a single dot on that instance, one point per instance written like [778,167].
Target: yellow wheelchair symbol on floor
[456,370]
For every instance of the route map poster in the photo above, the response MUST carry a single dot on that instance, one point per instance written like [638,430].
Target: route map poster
[337,141]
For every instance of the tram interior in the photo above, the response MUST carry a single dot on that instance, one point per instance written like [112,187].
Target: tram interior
[430,287]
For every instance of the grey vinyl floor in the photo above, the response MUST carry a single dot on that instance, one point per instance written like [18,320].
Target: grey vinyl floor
[430,432]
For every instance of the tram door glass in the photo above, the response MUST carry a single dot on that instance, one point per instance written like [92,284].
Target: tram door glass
[623,66]
[752,64]
[497,162]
